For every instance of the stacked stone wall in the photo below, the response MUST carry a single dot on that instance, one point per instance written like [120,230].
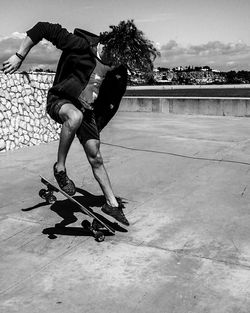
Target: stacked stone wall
[23,117]
[24,121]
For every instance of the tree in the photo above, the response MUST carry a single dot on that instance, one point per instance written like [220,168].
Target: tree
[126,44]
[231,77]
[244,76]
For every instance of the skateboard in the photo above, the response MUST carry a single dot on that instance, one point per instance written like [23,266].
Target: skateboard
[96,227]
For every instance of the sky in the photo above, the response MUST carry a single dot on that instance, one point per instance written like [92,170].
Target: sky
[186,32]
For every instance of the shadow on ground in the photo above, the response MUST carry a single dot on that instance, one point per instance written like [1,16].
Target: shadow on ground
[66,209]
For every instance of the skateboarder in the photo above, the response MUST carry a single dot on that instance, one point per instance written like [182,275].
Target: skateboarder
[71,101]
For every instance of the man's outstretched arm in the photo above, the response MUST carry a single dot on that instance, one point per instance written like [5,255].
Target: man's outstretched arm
[54,33]
[15,61]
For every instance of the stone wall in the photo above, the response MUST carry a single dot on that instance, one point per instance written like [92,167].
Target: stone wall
[23,120]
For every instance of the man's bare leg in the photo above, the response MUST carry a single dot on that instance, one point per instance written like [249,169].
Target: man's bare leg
[72,118]
[111,207]
[92,150]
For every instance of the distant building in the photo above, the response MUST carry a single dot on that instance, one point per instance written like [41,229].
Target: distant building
[188,75]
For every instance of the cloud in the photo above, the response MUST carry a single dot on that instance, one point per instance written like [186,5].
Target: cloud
[219,48]
[43,55]
[225,56]
[155,18]
[219,55]
[14,35]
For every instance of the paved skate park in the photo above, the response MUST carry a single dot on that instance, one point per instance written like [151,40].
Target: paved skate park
[184,180]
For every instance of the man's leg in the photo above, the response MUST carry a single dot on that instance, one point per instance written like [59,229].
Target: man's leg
[92,150]
[71,118]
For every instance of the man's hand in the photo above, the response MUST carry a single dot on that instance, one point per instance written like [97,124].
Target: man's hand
[11,65]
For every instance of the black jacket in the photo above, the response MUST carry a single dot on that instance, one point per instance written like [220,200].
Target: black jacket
[77,61]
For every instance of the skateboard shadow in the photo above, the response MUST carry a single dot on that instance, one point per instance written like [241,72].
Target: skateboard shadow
[70,231]
[66,210]
[89,200]
[36,206]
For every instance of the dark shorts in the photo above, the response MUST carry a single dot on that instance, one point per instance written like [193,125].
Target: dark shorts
[87,130]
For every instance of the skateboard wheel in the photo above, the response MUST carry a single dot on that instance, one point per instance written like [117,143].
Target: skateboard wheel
[42,193]
[99,236]
[86,224]
[51,199]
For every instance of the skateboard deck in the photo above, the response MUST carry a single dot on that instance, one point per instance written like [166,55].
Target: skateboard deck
[97,224]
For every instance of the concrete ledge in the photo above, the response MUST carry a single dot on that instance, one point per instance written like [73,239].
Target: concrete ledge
[144,104]
[170,87]
[188,105]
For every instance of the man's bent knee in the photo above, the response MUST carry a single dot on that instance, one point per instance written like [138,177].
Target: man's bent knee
[96,161]
[75,118]
[70,114]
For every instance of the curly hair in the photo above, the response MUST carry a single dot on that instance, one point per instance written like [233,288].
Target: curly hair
[126,44]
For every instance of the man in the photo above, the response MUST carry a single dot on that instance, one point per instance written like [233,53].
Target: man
[80,99]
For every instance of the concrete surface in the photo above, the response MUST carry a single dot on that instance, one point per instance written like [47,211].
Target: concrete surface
[186,183]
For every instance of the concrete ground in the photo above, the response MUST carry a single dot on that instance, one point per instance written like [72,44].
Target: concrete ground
[185,181]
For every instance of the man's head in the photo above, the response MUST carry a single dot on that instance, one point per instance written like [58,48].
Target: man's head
[126,44]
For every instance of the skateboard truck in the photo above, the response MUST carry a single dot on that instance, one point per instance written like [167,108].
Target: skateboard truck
[47,195]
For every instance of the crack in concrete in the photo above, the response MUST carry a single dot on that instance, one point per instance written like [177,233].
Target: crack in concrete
[179,252]
[19,232]
[177,154]
[16,284]
[183,252]
[243,192]
[24,229]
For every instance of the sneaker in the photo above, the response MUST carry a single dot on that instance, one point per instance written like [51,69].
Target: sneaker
[115,212]
[66,184]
